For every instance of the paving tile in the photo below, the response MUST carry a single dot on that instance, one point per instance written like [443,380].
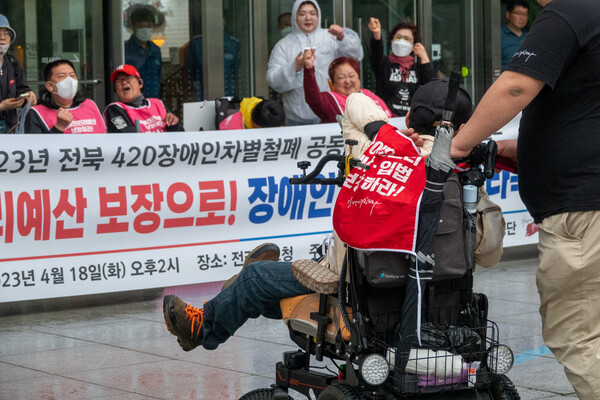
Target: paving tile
[128,329]
[166,379]
[82,358]
[543,374]
[123,351]
[10,373]
[54,387]
[23,341]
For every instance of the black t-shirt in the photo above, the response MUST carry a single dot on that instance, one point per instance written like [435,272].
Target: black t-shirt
[559,136]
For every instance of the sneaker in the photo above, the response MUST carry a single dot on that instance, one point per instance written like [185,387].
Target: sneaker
[183,321]
[265,251]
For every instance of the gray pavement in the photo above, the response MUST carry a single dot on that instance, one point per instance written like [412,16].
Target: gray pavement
[123,350]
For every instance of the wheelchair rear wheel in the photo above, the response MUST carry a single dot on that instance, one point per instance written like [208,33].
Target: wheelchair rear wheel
[503,389]
[340,392]
[261,394]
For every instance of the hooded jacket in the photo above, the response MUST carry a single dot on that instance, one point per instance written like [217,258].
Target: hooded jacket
[282,75]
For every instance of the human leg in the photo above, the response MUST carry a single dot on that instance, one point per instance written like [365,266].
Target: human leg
[264,251]
[257,291]
[568,281]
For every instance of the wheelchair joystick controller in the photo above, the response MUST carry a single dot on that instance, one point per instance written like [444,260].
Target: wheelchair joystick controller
[351,143]
[303,165]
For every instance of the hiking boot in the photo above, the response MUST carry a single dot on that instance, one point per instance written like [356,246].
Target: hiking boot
[183,321]
[265,251]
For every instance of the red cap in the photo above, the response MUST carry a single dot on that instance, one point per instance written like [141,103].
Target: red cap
[126,69]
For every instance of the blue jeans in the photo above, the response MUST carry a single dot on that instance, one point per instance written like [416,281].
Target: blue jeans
[256,291]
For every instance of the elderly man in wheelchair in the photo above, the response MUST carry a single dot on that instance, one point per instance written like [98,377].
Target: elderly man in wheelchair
[401,320]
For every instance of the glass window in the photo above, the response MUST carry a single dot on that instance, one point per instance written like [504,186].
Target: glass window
[53,30]
[237,48]
[279,23]
[452,39]
[388,13]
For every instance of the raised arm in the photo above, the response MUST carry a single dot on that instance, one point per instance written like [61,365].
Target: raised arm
[349,45]
[284,73]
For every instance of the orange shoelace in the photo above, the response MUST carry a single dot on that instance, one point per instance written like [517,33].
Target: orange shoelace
[197,317]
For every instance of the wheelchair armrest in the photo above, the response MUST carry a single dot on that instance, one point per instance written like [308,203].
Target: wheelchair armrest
[315,276]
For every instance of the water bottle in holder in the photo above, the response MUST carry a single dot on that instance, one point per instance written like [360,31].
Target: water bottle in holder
[470,207]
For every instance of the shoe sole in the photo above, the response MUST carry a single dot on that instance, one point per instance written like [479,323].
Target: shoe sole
[170,320]
[258,254]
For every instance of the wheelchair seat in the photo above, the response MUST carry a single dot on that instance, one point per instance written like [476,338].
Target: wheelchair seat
[296,314]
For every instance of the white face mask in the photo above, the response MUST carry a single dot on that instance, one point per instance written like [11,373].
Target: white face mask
[3,49]
[67,88]
[143,34]
[401,48]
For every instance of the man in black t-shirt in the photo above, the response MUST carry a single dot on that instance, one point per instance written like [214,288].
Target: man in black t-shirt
[555,79]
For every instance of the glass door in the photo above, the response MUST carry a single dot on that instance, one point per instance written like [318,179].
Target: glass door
[389,13]
[452,41]
[59,29]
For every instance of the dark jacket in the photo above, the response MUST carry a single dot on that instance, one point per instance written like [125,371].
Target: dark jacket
[12,84]
[395,92]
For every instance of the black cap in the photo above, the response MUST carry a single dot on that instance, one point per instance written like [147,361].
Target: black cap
[428,103]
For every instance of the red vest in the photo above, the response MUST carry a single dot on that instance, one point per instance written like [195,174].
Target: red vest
[151,117]
[234,121]
[341,101]
[86,118]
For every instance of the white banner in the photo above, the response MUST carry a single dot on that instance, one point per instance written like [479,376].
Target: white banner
[84,214]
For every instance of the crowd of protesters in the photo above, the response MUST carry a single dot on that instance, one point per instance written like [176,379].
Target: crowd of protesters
[313,70]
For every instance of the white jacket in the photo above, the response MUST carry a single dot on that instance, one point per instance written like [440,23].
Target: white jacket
[282,75]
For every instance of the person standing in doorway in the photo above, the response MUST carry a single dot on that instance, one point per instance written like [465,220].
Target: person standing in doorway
[399,75]
[514,33]
[285,73]
[142,53]
[12,80]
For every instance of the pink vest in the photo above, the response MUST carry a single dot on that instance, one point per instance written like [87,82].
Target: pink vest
[151,117]
[234,121]
[86,118]
[341,101]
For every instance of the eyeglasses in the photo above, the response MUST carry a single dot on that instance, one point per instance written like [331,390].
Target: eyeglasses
[5,33]
[123,79]
[521,14]
[407,38]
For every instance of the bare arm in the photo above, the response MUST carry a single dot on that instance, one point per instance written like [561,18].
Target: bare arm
[510,94]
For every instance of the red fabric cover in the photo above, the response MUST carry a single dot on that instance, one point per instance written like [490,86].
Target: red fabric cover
[377,209]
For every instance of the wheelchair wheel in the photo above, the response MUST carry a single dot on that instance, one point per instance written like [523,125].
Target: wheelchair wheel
[340,392]
[260,394]
[503,389]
